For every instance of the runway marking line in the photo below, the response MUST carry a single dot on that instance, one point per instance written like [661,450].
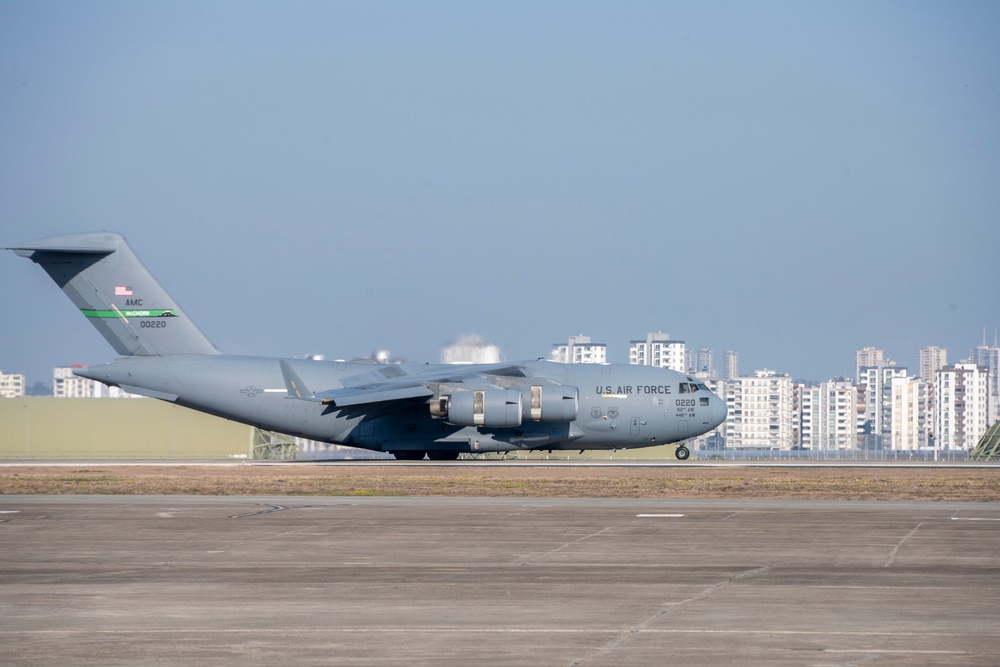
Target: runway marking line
[892,651]
[659,516]
[973,518]
[512,631]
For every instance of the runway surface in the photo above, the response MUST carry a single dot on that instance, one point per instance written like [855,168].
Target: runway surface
[98,580]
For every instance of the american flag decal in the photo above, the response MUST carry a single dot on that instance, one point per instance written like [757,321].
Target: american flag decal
[123,291]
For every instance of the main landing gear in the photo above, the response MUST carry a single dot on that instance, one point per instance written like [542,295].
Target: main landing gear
[682,453]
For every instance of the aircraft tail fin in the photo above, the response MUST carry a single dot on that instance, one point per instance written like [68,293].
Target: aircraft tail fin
[104,278]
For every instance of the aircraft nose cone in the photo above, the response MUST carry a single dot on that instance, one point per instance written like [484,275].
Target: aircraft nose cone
[719,411]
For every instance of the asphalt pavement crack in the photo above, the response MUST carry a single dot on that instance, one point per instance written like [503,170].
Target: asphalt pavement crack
[895,551]
[666,610]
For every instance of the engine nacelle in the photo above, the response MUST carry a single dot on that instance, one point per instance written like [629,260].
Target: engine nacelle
[498,408]
[550,403]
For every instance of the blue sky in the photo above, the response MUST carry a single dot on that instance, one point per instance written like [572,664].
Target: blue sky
[790,180]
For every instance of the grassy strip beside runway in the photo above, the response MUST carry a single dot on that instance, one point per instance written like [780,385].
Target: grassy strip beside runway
[496,480]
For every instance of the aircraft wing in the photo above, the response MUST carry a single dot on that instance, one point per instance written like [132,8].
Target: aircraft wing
[393,383]
[373,394]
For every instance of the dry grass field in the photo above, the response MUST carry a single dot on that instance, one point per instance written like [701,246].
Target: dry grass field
[498,480]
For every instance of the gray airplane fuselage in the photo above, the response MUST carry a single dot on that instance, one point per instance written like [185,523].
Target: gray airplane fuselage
[619,406]
[405,409]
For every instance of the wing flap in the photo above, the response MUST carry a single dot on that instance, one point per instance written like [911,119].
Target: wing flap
[373,394]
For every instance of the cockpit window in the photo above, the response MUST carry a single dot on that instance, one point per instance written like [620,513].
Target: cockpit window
[691,387]
[684,387]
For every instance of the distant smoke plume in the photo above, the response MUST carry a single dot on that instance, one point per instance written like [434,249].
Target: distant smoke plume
[470,349]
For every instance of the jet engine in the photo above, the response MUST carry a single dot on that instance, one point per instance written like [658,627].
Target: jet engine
[550,403]
[498,408]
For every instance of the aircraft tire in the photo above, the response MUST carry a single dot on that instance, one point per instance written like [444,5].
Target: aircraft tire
[682,453]
[442,456]
[408,455]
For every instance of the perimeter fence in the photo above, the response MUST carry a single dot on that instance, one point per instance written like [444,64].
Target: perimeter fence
[888,455]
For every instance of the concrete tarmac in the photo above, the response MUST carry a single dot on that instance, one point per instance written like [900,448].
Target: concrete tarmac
[180,580]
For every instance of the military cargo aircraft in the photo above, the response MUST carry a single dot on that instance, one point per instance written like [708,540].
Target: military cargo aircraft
[409,410]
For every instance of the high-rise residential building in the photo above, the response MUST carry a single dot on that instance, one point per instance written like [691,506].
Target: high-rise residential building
[961,406]
[703,364]
[659,351]
[909,413]
[988,358]
[11,385]
[580,350]
[875,384]
[827,415]
[932,359]
[760,412]
[870,357]
[730,364]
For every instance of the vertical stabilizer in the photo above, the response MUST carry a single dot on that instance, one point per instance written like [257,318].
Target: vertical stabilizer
[111,287]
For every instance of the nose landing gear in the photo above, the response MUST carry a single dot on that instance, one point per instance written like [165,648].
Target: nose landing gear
[682,453]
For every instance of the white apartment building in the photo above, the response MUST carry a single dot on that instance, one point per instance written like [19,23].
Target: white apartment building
[875,384]
[828,415]
[760,412]
[702,366]
[580,350]
[730,365]
[869,357]
[909,413]
[961,405]
[659,351]
[11,385]
[932,359]
[989,358]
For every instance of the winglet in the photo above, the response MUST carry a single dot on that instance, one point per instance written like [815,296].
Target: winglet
[293,383]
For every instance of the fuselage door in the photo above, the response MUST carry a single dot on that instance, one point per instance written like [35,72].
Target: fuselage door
[634,430]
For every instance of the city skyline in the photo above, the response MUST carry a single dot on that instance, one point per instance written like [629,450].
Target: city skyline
[945,407]
[791,180]
[472,348]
